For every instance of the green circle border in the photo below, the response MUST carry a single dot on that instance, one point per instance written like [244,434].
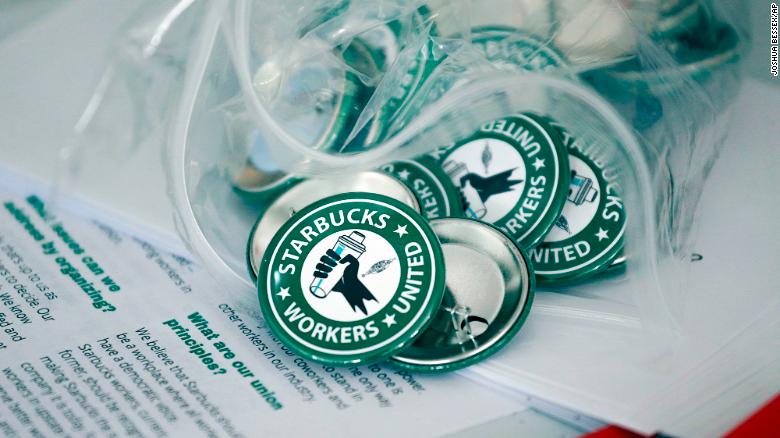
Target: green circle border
[558,198]
[382,353]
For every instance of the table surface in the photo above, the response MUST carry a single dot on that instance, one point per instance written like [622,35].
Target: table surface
[50,69]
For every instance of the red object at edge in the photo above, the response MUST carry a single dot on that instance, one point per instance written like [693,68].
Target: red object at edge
[765,422]
[612,432]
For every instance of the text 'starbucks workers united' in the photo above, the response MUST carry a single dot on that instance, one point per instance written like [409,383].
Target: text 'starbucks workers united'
[435,193]
[351,278]
[512,173]
[588,234]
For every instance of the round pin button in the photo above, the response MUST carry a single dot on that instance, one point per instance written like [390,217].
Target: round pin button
[260,186]
[351,279]
[400,72]
[587,236]
[512,173]
[435,193]
[489,291]
[514,49]
[260,180]
[296,198]
[396,111]
[319,103]
[330,97]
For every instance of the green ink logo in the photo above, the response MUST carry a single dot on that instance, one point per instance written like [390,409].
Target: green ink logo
[581,203]
[351,278]
[511,174]
[588,234]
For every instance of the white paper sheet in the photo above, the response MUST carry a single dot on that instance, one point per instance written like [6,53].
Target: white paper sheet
[89,318]
[725,366]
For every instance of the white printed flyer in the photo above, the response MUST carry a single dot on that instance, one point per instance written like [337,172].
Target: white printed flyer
[105,334]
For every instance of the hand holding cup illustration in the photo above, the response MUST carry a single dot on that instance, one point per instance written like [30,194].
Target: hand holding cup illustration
[337,271]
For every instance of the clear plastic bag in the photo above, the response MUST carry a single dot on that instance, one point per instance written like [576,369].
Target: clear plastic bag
[644,85]
[18,15]
[461,78]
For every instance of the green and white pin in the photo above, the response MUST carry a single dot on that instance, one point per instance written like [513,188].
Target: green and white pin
[512,173]
[513,49]
[435,193]
[404,71]
[351,279]
[588,235]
